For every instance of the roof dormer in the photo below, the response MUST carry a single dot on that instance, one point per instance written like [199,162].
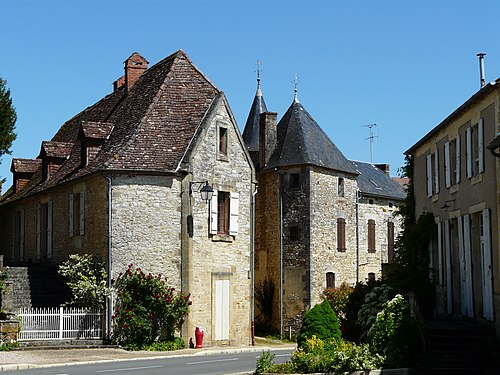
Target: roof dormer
[92,136]
[53,154]
[22,171]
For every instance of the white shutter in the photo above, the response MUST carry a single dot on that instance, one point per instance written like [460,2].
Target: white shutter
[480,145]
[436,172]
[82,213]
[213,214]
[468,151]
[71,205]
[222,306]
[487,276]
[462,273]
[447,169]
[449,275]
[468,267]
[457,161]
[440,253]
[429,175]
[21,238]
[38,230]
[49,230]
[233,213]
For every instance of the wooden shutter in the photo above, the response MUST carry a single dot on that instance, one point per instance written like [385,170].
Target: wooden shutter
[468,267]
[468,151]
[222,307]
[82,213]
[330,280]
[487,275]
[390,241]
[449,276]
[233,213]
[462,273]
[428,175]
[436,172]
[457,160]
[447,166]
[480,145]
[341,234]
[371,236]
[38,230]
[440,254]
[71,205]
[213,213]
[49,230]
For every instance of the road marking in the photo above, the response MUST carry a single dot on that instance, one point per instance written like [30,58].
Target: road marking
[282,355]
[129,368]
[213,360]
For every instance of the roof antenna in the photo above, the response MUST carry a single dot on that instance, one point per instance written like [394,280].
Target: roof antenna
[296,88]
[481,68]
[371,138]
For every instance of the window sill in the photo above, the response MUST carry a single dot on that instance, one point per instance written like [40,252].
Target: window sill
[222,157]
[476,179]
[222,238]
[341,253]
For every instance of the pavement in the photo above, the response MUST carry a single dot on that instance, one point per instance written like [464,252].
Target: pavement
[42,357]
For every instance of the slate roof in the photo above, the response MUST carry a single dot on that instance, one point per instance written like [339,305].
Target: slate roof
[152,125]
[300,140]
[251,130]
[373,181]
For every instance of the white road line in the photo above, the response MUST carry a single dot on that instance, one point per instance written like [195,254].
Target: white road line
[129,369]
[214,360]
[282,355]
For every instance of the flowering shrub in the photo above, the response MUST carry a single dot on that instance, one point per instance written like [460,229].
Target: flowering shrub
[86,277]
[394,333]
[338,298]
[148,309]
[374,302]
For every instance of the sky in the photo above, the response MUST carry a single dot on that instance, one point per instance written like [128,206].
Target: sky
[403,65]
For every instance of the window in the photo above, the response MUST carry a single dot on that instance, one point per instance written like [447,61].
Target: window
[330,280]
[341,234]
[76,214]
[223,141]
[294,233]
[44,230]
[294,180]
[432,174]
[18,236]
[390,241]
[371,277]
[371,236]
[452,162]
[370,201]
[340,188]
[224,208]
[474,149]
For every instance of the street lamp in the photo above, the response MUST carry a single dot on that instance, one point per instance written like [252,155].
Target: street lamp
[206,191]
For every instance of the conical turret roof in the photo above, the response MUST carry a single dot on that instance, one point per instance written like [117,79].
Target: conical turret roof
[300,140]
[251,131]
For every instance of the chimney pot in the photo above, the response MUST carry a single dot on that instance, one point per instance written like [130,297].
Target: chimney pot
[481,68]
[135,65]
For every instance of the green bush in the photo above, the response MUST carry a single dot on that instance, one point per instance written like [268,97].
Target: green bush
[394,333]
[374,302]
[165,346]
[87,278]
[148,309]
[320,321]
[264,362]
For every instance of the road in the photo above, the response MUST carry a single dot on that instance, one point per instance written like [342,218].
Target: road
[216,364]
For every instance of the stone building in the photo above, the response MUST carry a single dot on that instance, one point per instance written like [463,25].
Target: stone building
[456,179]
[122,180]
[321,219]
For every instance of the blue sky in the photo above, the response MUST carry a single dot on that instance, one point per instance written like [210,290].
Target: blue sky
[401,64]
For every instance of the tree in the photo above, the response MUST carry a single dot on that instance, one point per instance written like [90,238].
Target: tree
[321,322]
[8,119]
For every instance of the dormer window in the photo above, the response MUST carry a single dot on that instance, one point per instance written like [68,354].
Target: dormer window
[92,136]
[53,154]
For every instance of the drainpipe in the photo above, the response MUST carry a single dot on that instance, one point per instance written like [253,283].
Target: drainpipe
[357,236]
[109,261]
[252,265]
[281,252]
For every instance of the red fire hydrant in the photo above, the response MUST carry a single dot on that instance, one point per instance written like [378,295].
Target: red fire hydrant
[198,334]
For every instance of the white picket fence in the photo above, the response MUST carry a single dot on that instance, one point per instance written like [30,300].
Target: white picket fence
[59,324]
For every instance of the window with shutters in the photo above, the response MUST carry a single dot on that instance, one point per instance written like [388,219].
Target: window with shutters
[432,174]
[76,214]
[452,162]
[224,208]
[44,231]
[341,235]
[371,236]
[330,280]
[341,189]
[390,241]
[474,145]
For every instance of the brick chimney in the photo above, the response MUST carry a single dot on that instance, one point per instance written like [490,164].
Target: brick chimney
[267,137]
[135,65]
[386,168]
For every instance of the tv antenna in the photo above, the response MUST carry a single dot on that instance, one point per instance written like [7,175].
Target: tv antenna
[371,138]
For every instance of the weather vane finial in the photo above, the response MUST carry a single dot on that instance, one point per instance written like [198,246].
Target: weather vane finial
[295,88]
[259,69]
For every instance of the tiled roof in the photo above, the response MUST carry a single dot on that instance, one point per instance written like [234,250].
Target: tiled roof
[153,124]
[53,149]
[96,129]
[373,181]
[25,165]
[300,140]
[251,130]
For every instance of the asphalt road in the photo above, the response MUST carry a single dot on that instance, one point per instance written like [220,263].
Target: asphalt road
[216,364]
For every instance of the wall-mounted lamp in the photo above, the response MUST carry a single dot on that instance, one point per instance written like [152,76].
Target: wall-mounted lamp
[446,205]
[206,190]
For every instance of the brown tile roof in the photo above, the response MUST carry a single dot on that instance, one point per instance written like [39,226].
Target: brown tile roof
[25,165]
[53,149]
[153,124]
[96,129]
